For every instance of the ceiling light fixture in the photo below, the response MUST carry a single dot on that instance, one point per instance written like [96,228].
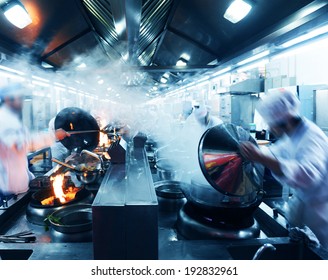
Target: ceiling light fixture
[163,80]
[254,57]
[46,65]
[221,72]
[317,32]
[237,10]
[16,13]
[181,62]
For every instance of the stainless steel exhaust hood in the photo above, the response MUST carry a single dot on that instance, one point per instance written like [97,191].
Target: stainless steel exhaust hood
[247,87]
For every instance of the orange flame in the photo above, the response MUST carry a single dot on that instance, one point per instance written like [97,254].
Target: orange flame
[57,185]
[103,139]
[71,126]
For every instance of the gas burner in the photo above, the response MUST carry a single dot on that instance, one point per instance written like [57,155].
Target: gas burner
[194,225]
[36,213]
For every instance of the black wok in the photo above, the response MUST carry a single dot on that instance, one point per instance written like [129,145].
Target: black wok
[212,203]
[74,119]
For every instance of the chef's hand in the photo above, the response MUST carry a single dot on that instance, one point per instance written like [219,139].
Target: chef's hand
[61,134]
[250,151]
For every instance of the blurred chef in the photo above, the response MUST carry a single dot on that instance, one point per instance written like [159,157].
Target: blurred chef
[202,114]
[15,142]
[298,159]
[58,150]
[194,127]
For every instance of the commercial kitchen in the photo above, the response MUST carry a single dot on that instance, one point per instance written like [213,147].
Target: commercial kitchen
[119,76]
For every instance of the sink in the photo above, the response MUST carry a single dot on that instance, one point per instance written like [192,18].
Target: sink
[15,254]
[285,251]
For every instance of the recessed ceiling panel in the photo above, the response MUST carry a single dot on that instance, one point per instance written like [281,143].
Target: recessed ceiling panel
[83,46]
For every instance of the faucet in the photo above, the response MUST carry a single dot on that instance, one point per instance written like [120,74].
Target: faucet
[260,251]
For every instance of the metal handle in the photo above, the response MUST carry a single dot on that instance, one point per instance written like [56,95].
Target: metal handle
[81,131]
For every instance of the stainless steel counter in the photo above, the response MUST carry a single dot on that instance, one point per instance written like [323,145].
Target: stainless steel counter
[169,245]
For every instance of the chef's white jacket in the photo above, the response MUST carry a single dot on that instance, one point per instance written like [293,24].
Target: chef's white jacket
[15,142]
[303,157]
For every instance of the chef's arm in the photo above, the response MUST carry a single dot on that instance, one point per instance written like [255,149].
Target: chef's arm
[252,153]
[42,140]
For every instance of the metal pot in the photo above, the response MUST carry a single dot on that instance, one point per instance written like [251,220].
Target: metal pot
[169,195]
[168,169]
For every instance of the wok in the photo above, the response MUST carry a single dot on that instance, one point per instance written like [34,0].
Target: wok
[72,219]
[81,125]
[223,166]
[208,202]
[82,173]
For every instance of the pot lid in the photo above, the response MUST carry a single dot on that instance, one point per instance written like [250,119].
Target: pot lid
[223,166]
[76,119]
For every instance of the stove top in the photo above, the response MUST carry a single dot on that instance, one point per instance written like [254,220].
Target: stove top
[193,225]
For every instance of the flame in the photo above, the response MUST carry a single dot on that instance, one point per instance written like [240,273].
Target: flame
[71,126]
[63,194]
[57,185]
[103,139]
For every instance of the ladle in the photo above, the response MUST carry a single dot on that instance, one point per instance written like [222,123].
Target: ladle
[64,164]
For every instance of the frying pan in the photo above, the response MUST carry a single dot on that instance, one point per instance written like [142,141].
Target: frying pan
[73,119]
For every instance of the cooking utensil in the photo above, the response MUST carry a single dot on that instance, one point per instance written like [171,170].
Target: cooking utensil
[64,164]
[169,195]
[88,177]
[21,237]
[208,201]
[84,176]
[223,166]
[72,219]
[73,119]
[168,169]
[82,131]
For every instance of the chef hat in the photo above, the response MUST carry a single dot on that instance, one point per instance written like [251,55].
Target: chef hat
[12,90]
[200,111]
[278,105]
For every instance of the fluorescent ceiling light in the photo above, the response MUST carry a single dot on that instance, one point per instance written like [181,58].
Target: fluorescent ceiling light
[237,10]
[310,35]
[254,57]
[222,71]
[253,66]
[312,46]
[17,14]
[12,70]
[163,80]
[46,65]
[40,79]
[166,75]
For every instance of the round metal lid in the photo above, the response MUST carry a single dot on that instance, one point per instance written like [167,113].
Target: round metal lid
[222,164]
[75,119]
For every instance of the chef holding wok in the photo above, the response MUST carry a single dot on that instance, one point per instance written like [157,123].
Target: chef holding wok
[16,142]
[298,159]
